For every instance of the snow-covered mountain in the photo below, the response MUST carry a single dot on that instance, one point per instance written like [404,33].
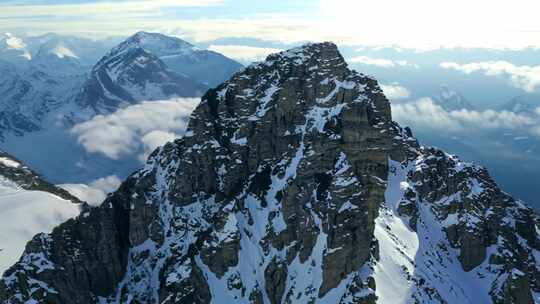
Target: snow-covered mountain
[14,49]
[39,74]
[28,96]
[451,100]
[292,184]
[53,79]
[25,49]
[42,100]
[28,205]
[205,66]
[523,104]
[129,74]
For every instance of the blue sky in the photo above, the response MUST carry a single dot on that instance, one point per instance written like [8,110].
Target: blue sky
[415,23]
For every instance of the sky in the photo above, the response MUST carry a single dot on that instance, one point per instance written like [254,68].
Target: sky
[420,24]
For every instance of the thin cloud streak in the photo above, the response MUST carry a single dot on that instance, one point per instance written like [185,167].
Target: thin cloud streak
[526,78]
[381,62]
[353,27]
[424,114]
[243,53]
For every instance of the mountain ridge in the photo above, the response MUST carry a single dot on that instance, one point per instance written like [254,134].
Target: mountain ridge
[291,184]
[26,198]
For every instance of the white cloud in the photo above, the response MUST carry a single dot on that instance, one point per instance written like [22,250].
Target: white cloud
[537,111]
[107,184]
[243,53]
[415,24]
[137,129]
[432,24]
[105,8]
[95,192]
[386,63]
[426,115]
[394,91]
[85,193]
[153,140]
[525,77]
[24,214]
[380,62]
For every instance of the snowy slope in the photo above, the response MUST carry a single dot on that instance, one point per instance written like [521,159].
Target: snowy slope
[411,261]
[25,210]
[418,262]
[24,214]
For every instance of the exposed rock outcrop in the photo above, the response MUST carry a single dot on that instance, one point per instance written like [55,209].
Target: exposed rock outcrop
[286,189]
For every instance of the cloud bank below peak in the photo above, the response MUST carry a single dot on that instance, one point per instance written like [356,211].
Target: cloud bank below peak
[381,62]
[136,130]
[243,53]
[524,77]
[425,115]
[394,91]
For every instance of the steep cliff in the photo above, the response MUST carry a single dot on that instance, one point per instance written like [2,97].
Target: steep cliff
[291,185]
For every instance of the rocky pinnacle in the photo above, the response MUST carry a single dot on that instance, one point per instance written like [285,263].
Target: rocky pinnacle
[285,189]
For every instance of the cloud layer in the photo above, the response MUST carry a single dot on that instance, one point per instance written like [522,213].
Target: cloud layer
[525,77]
[380,62]
[95,192]
[404,22]
[243,53]
[394,91]
[136,130]
[424,114]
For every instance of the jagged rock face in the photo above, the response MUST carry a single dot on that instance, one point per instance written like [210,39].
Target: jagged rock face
[128,75]
[463,241]
[284,189]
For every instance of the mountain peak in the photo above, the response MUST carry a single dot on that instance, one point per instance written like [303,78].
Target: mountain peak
[317,68]
[303,54]
[292,184]
[158,44]
[452,100]
[130,74]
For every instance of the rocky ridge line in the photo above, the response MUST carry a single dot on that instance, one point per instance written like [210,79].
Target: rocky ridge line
[288,178]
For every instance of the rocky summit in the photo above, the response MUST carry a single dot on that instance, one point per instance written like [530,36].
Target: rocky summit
[292,184]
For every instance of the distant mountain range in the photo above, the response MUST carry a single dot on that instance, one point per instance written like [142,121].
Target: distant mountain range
[29,49]
[47,85]
[523,104]
[451,100]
